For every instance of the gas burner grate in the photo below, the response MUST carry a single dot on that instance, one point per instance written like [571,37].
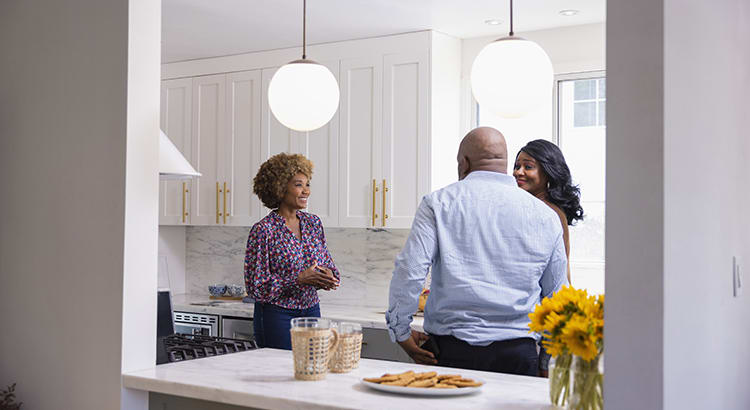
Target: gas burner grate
[181,347]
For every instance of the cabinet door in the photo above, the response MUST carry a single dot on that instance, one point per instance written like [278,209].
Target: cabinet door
[275,137]
[242,153]
[208,147]
[405,136]
[176,122]
[360,140]
[321,147]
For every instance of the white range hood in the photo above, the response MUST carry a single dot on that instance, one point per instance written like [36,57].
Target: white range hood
[172,164]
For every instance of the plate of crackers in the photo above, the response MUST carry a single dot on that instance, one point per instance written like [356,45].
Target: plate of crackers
[424,384]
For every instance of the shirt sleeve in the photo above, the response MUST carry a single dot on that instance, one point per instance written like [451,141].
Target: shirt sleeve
[263,284]
[555,274]
[411,268]
[326,255]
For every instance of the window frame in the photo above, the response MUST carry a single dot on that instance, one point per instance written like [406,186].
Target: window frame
[559,78]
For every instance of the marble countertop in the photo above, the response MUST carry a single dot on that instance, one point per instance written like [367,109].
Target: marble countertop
[371,317]
[264,378]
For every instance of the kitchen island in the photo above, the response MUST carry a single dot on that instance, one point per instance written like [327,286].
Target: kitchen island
[264,378]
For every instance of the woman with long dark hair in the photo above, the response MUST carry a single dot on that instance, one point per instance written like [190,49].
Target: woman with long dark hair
[540,169]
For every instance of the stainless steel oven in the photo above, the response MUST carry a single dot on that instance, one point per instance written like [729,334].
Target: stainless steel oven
[196,324]
[237,328]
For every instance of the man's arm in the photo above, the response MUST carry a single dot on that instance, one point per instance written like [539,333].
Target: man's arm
[412,265]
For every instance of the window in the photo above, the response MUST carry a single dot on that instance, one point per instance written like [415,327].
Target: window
[589,102]
[581,135]
[576,116]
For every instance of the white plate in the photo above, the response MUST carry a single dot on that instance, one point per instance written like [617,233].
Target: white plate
[420,391]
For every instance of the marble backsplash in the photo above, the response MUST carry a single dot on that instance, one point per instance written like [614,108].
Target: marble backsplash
[364,258]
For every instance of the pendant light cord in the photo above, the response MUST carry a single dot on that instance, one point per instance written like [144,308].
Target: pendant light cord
[511,18]
[304,28]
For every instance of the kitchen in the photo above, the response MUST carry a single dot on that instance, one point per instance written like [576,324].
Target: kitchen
[124,294]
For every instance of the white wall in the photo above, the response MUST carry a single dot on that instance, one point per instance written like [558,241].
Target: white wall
[676,204]
[70,127]
[445,93]
[141,194]
[706,197]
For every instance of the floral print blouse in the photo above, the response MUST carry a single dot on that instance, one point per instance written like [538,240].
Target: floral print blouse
[275,257]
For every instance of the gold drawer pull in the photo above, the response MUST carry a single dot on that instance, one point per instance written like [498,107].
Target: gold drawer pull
[385,215]
[184,212]
[225,202]
[374,201]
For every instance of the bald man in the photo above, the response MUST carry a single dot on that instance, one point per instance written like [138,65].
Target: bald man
[495,251]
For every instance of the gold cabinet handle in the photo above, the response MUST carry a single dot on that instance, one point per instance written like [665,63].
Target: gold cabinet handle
[184,212]
[385,215]
[225,202]
[374,201]
[218,214]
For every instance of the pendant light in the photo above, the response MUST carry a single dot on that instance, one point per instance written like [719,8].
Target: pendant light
[511,76]
[303,94]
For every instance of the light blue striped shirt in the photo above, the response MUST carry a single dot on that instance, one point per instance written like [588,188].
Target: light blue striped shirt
[495,252]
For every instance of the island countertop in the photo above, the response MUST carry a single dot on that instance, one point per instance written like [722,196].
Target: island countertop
[264,378]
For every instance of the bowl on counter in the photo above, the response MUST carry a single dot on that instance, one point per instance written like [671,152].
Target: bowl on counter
[235,290]
[217,290]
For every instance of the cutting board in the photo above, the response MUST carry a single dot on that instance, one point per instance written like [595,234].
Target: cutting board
[226,297]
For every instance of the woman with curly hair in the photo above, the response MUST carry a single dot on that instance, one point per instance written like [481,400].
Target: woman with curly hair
[287,259]
[541,170]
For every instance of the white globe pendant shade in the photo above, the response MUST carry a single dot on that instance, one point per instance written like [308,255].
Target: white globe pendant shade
[303,95]
[511,76]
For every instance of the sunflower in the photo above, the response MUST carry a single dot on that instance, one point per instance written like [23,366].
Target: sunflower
[554,323]
[554,347]
[540,313]
[577,335]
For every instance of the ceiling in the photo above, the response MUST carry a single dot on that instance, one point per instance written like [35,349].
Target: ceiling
[193,29]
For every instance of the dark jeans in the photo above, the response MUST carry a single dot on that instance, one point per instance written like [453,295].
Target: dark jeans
[271,324]
[515,356]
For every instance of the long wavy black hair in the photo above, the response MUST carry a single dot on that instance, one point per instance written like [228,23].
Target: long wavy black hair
[560,190]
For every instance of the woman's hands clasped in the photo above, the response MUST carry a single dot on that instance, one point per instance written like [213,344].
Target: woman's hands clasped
[318,276]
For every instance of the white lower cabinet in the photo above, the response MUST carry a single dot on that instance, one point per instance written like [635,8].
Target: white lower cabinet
[373,162]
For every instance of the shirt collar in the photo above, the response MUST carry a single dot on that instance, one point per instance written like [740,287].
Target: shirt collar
[492,176]
[280,219]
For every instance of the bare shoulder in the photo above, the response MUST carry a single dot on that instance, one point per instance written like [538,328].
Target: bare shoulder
[559,212]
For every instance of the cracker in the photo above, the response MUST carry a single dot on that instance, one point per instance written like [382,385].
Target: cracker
[385,378]
[403,381]
[426,375]
[463,382]
[422,383]
[448,376]
[443,386]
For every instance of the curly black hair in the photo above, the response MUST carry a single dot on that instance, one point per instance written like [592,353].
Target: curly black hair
[273,176]
[560,190]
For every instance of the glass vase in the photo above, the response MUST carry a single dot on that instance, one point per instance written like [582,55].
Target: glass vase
[559,379]
[586,384]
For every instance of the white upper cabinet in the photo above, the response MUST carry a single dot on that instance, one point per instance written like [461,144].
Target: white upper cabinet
[209,114]
[321,147]
[360,140]
[176,122]
[242,157]
[390,142]
[406,166]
